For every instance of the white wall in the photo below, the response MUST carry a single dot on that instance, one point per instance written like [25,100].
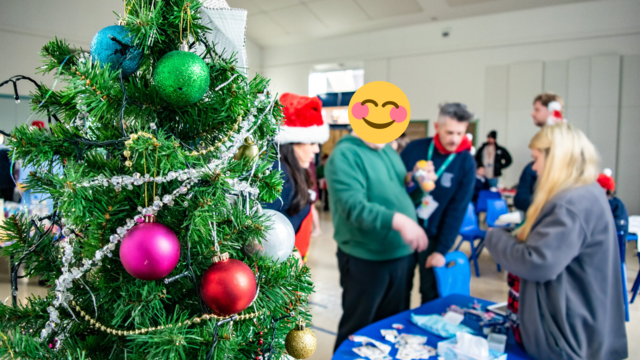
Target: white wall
[546,48]
[254,58]
[431,69]
[628,180]
[589,85]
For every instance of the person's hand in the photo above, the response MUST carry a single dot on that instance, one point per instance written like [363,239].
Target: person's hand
[298,256]
[435,260]
[408,180]
[427,168]
[412,233]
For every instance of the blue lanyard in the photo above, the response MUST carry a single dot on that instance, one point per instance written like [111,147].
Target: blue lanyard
[446,162]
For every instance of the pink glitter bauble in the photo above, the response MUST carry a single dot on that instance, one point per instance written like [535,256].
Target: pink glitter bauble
[149,251]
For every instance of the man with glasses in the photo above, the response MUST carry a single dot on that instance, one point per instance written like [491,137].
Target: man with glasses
[442,209]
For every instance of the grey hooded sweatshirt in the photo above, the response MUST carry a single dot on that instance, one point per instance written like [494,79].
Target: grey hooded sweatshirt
[571,305]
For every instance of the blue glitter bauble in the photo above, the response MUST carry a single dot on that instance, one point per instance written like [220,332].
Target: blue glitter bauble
[112,46]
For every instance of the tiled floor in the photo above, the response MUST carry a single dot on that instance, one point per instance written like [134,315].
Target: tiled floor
[326,301]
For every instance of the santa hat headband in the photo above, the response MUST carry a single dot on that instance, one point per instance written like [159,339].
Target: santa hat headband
[303,121]
[555,116]
[606,180]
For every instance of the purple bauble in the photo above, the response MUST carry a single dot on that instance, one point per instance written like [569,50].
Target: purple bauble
[150,251]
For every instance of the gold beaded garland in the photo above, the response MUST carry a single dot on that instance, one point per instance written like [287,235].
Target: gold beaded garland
[195,320]
[223,140]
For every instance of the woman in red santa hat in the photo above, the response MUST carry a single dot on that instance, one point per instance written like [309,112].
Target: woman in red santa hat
[299,137]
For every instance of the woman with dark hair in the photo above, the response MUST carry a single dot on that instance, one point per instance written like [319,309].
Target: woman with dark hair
[299,137]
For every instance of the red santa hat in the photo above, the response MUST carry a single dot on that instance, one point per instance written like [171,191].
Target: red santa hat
[606,180]
[303,121]
[38,123]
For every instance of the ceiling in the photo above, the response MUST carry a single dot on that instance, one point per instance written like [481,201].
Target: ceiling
[277,22]
[271,22]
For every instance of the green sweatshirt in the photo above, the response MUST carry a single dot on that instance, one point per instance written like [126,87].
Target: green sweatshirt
[366,188]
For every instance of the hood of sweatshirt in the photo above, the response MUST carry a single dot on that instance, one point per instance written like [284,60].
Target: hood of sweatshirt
[465,145]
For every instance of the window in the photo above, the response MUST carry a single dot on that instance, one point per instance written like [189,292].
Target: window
[335,81]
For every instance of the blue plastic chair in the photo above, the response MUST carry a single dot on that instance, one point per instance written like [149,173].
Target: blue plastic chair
[495,209]
[455,276]
[471,232]
[483,196]
[623,272]
[636,283]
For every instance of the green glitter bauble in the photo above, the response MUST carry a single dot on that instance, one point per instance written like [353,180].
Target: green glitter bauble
[181,77]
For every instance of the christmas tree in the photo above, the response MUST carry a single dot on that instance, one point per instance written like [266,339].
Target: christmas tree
[156,158]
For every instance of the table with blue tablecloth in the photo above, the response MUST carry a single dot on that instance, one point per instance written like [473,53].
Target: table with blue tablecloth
[438,306]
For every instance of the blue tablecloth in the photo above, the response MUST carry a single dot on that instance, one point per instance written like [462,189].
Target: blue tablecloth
[438,306]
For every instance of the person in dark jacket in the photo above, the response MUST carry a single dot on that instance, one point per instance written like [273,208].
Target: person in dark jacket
[7,185]
[299,137]
[493,158]
[481,184]
[618,209]
[449,153]
[565,257]
[547,109]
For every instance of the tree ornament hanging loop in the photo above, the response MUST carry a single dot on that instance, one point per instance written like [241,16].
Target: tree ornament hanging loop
[220,258]
[186,9]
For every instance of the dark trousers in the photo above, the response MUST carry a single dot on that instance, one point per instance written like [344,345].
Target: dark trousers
[372,291]
[428,285]
[7,193]
[324,194]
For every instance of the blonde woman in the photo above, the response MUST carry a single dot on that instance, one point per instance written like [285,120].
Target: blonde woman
[566,256]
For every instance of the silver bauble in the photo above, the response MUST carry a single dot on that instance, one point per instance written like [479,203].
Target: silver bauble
[280,239]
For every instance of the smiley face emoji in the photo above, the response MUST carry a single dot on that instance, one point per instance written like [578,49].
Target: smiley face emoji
[379,112]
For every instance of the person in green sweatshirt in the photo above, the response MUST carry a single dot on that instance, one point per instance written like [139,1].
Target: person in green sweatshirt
[376,231]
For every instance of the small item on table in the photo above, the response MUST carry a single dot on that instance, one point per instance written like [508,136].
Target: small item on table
[468,347]
[437,325]
[397,326]
[371,352]
[410,339]
[453,317]
[384,348]
[457,309]
[413,347]
[497,342]
[389,335]
[472,344]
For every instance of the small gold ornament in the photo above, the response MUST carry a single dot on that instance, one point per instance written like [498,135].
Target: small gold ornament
[300,342]
[247,151]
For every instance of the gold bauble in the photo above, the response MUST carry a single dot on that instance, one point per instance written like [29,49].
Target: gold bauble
[247,151]
[300,342]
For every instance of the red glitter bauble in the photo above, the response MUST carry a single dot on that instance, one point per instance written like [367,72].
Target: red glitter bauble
[228,287]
